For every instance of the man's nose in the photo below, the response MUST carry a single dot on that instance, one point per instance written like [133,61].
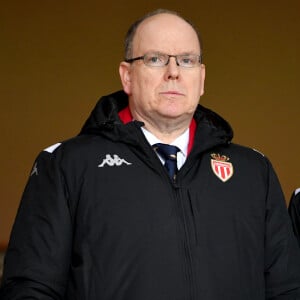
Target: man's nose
[172,69]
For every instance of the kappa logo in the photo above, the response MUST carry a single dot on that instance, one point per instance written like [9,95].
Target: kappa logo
[113,160]
[221,167]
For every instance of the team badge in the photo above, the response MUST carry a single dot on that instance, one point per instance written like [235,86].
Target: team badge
[221,167]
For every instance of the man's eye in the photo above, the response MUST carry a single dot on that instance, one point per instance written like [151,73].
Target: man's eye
[187,60]
[154,59]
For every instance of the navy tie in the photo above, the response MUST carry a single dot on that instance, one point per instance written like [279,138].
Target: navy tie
[169,154]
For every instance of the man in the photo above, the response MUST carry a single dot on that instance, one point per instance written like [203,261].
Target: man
[102,217]
[294,212]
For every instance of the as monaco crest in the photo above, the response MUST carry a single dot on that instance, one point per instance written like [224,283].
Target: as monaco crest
[221,167]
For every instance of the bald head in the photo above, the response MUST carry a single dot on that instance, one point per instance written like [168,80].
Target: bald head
[134,28]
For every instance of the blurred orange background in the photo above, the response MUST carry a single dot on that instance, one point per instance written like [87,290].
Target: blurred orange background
[58,57]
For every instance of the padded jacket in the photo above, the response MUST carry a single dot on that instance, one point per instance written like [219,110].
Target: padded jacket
[101,220]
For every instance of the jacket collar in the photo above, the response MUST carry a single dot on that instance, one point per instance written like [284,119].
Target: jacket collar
[211,129]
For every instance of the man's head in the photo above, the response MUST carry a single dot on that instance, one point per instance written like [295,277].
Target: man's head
[132,29]
[162,88]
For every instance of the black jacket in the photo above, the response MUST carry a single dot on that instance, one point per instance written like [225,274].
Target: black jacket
[101,220]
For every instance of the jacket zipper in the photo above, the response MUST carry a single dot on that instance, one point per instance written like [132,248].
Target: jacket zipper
[185,244]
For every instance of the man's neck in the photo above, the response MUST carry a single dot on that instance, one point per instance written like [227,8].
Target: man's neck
[165,129]
[166,136]
[166,133]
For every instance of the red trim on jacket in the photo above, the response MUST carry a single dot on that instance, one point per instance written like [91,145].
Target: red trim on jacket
[126,117]
[193,127]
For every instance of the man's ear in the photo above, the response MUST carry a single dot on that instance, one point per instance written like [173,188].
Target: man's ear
[202,78]
[124,71]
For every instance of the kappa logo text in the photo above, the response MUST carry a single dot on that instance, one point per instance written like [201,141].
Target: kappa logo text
[113,160]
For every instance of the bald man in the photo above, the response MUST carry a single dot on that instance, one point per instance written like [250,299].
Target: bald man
[152,200]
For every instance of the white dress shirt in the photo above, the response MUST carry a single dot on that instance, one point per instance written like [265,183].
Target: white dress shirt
[181,142]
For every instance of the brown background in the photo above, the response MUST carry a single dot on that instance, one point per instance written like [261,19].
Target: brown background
[58,57]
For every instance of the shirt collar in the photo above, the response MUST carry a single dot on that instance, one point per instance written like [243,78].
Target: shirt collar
[125,116]
[181,142]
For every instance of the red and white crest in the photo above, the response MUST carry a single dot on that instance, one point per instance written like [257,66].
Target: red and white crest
[221,167]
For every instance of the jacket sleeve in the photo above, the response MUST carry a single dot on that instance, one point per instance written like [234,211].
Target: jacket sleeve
[37,260]
[282,254]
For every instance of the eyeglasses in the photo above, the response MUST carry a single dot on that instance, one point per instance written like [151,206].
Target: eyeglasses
[156,59]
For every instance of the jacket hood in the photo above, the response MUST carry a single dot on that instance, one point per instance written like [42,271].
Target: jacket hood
[105,112]
[104,120]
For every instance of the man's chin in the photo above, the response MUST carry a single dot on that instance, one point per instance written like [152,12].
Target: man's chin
[176,115]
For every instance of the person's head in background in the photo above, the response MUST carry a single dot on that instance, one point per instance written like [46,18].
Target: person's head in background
[162,73]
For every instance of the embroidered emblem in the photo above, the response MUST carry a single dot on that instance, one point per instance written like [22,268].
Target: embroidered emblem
[114,160]
[221,167]
[34,170]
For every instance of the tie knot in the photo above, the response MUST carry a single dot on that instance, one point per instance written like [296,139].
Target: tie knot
[169,154]
[166,151]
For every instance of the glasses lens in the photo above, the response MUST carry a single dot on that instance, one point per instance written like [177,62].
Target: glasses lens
[155,59]
[188,61]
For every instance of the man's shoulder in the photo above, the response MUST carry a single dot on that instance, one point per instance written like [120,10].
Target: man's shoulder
[243,149]
[243,155]
[77,148]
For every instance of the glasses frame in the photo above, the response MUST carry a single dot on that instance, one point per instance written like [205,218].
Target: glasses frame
[131,60]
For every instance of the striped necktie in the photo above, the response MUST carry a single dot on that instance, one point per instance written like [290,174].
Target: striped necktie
[169,154]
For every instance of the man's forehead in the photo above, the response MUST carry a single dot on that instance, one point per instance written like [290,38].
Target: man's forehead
[163,19]
[163,29]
